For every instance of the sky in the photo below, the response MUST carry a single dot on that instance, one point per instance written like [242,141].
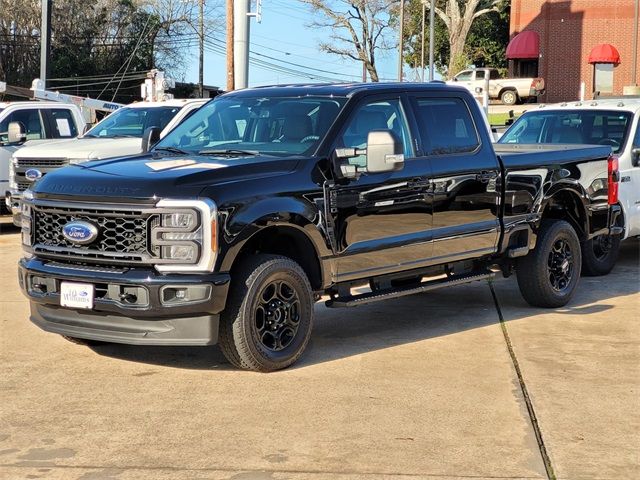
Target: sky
[284,35]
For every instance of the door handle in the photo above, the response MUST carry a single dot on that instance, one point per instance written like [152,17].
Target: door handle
[486,177]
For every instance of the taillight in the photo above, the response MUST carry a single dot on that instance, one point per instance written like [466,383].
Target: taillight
[613,179]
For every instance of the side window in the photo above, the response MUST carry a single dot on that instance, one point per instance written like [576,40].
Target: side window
[636,139]
[376,115]
[464,76]
[494,75]
[62,123]
[31,120]
[446,126]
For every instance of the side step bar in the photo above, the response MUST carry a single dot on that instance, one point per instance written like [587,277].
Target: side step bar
[370,297]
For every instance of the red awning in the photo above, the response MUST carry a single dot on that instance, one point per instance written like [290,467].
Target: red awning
[604,53]
[524,45]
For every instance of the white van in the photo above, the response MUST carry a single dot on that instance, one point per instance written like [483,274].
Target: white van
[42,122]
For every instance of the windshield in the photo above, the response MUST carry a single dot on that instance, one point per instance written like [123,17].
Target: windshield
[280,126]
[589,127]
[132,122]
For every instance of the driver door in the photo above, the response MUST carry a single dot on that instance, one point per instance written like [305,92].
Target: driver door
[381,221]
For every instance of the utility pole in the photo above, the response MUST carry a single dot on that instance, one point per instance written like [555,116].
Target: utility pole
[432,30]
[401,42]
[241,42]
[424,8]
[201,35]
[45,41]
[230,68]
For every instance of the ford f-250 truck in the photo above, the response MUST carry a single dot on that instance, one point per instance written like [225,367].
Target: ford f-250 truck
[232,226]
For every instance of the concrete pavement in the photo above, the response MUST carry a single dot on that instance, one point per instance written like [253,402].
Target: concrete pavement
[420,387]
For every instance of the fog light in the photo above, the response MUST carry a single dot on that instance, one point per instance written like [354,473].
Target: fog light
[185,253]
[174,295]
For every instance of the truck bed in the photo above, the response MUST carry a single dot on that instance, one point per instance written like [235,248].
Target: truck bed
[535,155]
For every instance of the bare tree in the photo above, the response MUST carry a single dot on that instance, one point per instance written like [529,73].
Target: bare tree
[358,28]
[458,16]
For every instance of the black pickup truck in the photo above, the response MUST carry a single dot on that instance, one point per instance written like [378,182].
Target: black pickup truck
[267,199]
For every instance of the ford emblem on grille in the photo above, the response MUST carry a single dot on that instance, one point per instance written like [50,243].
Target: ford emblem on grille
[80,232]
[33,174]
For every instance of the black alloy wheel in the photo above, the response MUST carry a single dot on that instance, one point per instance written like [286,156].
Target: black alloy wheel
[277,316]
[560,265]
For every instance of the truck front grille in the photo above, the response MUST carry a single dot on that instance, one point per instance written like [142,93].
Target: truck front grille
[41,162]
[123,235]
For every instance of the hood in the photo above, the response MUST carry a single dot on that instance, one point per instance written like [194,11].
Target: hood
[85,148]
[152,176]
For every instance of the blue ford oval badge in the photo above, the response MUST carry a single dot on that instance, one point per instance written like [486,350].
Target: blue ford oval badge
[33,174]
[80,232]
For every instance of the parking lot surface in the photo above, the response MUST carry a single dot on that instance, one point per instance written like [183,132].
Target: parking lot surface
[456,383]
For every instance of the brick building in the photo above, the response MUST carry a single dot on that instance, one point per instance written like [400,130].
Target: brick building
[573,41]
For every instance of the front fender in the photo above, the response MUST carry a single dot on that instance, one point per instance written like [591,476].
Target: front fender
[241,223]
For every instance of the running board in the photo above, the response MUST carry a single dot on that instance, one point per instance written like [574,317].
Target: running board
[370,297]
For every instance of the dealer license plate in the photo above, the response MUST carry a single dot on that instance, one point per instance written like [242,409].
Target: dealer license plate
[76,295]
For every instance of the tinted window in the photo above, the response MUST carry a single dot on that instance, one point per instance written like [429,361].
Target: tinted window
[494,75]
[62,123]
[132,122]
[31,121]
[601,127]
[636,139]
[446,126]
[274,125]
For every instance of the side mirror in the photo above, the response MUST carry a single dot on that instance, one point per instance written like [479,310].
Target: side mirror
[86,128]
[16,133]
[384,152]
[635,156]
[150,138]
[455,79]
[479,90]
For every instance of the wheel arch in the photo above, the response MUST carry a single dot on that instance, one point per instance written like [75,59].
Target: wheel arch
[568,204]
[286,227]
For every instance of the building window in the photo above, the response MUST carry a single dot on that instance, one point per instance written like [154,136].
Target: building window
[603,77]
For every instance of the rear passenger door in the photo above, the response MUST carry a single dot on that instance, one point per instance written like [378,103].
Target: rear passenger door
[60,122]
[465,177]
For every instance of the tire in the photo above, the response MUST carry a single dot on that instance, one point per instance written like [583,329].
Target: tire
[83,341]
[257,328]
[509,97]
[600,254]
[544,279]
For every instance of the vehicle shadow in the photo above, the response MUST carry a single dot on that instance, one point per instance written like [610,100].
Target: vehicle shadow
[342,333]
[6,225]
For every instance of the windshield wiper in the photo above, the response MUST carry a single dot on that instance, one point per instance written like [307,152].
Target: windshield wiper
[229,151]
[177,150]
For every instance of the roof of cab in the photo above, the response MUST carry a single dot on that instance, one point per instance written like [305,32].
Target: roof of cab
[341,89]
[628,104]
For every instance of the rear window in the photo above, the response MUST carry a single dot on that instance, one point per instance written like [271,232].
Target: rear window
[63,124]
[588,127]
[446,126]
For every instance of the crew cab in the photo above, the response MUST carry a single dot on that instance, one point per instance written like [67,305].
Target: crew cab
[611,122]
[41,123]
[268,199]
[119,134]
[508,90]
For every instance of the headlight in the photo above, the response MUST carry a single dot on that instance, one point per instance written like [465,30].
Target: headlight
[25,223]
[185,237]
[13,185]
[75,161]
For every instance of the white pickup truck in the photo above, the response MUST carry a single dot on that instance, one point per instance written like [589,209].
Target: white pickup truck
[613,122]
[42,122]
[119,134]
[508,90]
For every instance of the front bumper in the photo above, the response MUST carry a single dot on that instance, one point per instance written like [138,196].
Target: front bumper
[131,305]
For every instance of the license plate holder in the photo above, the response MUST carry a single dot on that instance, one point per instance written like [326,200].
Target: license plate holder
[76,295]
